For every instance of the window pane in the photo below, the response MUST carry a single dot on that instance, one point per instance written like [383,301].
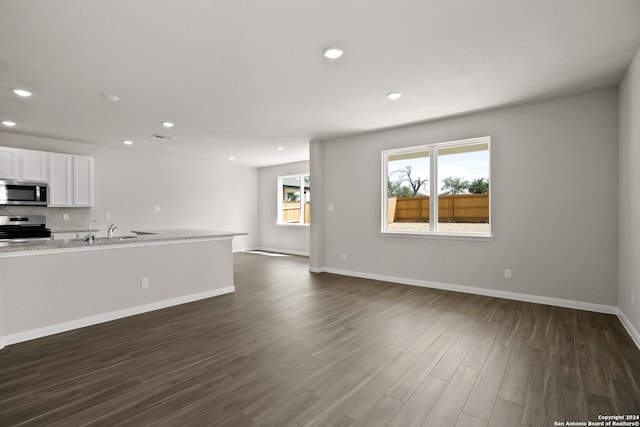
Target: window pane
[408,191]
[294,199]
[291,200]
[307,199]
[463,189]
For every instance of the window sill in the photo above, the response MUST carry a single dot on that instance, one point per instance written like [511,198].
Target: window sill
[285,224]
[443,236]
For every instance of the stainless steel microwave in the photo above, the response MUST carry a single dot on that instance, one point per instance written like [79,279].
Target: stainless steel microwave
[23,193]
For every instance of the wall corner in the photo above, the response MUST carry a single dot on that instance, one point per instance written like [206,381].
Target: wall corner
[316,166]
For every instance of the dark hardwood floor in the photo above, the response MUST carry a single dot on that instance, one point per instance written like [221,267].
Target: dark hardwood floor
[291,348]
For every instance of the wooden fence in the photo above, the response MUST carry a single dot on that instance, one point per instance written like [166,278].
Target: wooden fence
[458,208]
[291,212]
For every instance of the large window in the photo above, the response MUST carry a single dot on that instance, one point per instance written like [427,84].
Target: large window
[457,173]
[294,199]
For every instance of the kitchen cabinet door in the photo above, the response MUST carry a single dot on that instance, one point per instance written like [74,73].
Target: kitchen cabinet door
[60,179]
[34,166]
[82,181]
[9,163]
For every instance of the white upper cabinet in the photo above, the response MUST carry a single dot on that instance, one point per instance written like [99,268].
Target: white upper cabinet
[70,177]
[60,180]
[70,180]
[34,166]
[23,165]
[82,181]
[9,163]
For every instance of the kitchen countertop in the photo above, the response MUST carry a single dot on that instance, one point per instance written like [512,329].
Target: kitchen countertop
[137,237]
[74,230]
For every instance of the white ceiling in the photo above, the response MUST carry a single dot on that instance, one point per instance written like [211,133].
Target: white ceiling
[241,77]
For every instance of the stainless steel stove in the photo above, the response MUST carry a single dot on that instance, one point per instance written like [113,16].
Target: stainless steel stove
[23,228]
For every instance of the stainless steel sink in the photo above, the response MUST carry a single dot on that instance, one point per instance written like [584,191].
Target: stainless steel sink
[115,239]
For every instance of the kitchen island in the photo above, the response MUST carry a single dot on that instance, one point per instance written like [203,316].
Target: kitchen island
[52,286]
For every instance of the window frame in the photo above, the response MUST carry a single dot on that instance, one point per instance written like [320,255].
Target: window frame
[433,232]
[280,195]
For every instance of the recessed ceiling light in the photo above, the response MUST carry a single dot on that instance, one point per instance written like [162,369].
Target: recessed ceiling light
[127,142]
[110,97]
[231,158]
[168,124]
[279,148]
[9,123]
[333,52]
[394,95]
[22,92]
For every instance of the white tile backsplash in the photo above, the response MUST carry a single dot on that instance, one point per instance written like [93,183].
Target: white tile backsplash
[79,218]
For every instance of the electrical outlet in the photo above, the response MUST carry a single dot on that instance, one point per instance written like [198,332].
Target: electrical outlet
[507,274]
[344,256]
[65,217]
[144,282]
[156,208]
[331,208]
[108,216]
[275,240]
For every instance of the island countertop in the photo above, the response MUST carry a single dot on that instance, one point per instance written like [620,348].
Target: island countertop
[52,286]
[135,238]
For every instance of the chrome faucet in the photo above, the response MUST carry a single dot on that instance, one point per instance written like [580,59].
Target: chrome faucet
[91,238]
[111,231]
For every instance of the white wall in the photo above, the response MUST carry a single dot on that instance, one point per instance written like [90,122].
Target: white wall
[629,194]
[191,193]
[284,238]
[554,203]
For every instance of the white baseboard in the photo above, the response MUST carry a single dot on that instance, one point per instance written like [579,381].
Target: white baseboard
[635,336]
[599,308]
[282,251]
[106,317]
[239,251]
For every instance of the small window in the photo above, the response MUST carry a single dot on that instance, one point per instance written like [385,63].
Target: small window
[294,199]
[458,173]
